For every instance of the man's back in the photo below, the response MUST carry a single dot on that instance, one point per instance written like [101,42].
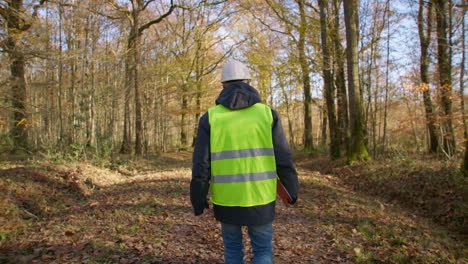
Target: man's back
[242,123]
[240,150]
[243,170]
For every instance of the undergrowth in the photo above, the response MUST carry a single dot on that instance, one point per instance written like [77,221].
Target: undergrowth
[423,184]
[404,209]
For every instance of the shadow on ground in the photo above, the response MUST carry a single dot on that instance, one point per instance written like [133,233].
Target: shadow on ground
[147,218]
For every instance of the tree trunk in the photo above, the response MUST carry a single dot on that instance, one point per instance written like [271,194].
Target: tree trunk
[288,114]
[18,92]
[412,123]
[49,117]
[184,105]
[328,82]
[126,147]
[71,97]
[308,141]
[131,71]
[91,137]
[197,106]
[14,20]
[445,77]
[376,105]
[135,53]
[357,149]
[138,110]
[425,41]
[462,98]
[60,77]
[368,86]
[340,83]
[323,116]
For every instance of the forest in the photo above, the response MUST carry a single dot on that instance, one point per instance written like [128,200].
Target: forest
[100,102]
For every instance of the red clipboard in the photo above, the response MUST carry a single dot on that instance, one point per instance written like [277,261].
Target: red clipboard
[283,193]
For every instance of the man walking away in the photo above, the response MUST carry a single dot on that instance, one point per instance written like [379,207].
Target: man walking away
[240,150]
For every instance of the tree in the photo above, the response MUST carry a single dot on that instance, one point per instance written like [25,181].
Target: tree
[339,76]
[303,26]
[462,96]
[328,81]
[193,57]
[370,54]
[445,76]
[17,23]
[300,28]
[425,41]
[206,60]
[137,28]
[357,149]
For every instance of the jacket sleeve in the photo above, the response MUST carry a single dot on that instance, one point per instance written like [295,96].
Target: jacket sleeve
[284,163]
[201,168]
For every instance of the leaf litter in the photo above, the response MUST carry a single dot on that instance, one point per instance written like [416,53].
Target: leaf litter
[147,218]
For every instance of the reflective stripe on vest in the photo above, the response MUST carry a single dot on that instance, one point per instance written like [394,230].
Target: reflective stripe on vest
[243,167]
[242,153]
[245,177]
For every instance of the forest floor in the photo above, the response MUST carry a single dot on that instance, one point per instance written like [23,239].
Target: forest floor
[141,213]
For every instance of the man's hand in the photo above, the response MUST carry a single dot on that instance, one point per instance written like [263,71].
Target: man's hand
[200,211]
[293,201]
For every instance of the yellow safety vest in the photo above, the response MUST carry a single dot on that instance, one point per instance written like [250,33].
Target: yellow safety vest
[243,167]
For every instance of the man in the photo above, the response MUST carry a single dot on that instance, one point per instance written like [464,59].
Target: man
[240,150]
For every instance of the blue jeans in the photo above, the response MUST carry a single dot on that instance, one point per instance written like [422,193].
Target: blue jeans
[261,238]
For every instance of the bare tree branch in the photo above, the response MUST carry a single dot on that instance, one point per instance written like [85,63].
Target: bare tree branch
[207,49]
[118,7]
[287,22]
[269,27]
[157,20]
[281,17]
[201,4]
[225,55]
[311,6]
[219,20]
[146,4]
[89,9]
[171,8]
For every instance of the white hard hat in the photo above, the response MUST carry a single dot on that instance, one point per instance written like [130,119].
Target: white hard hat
[235,70]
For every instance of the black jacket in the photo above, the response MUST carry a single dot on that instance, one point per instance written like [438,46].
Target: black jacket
[238,95]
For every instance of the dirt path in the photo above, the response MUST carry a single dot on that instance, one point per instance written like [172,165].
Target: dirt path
[147,218]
